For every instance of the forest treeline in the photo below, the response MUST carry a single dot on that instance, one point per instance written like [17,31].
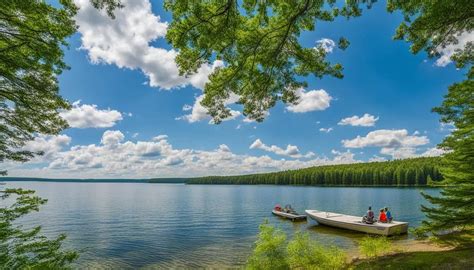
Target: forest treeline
[407,172]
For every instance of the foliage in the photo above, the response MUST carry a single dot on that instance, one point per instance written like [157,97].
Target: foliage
[269,252]
[32,36]
[431,26]
[272,252]
[258,42]
[408,172]
[27,248]
[450,219]
[304,253]
[372,247]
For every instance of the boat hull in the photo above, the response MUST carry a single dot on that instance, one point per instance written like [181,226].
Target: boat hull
[354,223]
[290,216]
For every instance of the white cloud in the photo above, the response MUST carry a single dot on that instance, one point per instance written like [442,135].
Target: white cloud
[159,138]
[396,143]
[376,158]
[112,137]
[266,114]
[200,113]
[366,120]
[116,158]
[88,116]
[290,151]
[313,100]
[49,145]
[344,157]
[386,138]
[326,130]
[448,51]
[126,42]
[434,152]
[326,44]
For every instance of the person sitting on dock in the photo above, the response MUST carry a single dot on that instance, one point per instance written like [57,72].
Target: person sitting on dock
[388,214]
[382,216]
[369,217]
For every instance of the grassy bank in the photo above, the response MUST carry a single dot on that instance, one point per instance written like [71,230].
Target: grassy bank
[446,259]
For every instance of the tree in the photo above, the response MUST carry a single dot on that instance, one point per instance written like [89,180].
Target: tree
[258,42]
[450,219]
[28,249]
[32,37]
[431,26]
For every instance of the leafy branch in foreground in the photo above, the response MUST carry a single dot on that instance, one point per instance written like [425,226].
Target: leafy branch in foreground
[33,34]
[258,43]
[27,248]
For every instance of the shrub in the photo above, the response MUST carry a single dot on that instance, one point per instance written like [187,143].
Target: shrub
[269,252]
[304,253]
[272,252]
[372,247]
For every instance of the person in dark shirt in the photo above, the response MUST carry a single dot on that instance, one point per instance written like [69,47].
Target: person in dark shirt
[369,217]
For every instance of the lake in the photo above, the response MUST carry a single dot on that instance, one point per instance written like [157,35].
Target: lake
[133,225]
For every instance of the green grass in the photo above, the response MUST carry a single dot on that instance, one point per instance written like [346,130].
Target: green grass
[451,259]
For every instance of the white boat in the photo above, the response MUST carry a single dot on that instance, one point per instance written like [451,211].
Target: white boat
[355,223]
[292,216]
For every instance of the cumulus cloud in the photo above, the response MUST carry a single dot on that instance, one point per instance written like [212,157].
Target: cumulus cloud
[313,100]
[114,157]
[126,42]
[48,145]
[200,113]
[88,116]
[344,157]
[290,150]
[447,52]
[396,143]
[326,44]
[366,120]
[112,137]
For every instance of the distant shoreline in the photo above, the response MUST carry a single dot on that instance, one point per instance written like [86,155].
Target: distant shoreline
[91,180]
[184,181]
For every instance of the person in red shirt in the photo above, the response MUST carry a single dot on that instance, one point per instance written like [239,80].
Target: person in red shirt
[382,216]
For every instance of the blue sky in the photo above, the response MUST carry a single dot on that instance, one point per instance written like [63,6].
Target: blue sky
[123,74]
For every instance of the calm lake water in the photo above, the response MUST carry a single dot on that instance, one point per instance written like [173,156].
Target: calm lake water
[133,225]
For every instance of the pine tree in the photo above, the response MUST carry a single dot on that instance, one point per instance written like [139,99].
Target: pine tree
[451,218]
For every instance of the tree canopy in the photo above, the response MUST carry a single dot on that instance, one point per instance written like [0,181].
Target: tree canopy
[32,38]
[258,44]
[407,172]
[450,215]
